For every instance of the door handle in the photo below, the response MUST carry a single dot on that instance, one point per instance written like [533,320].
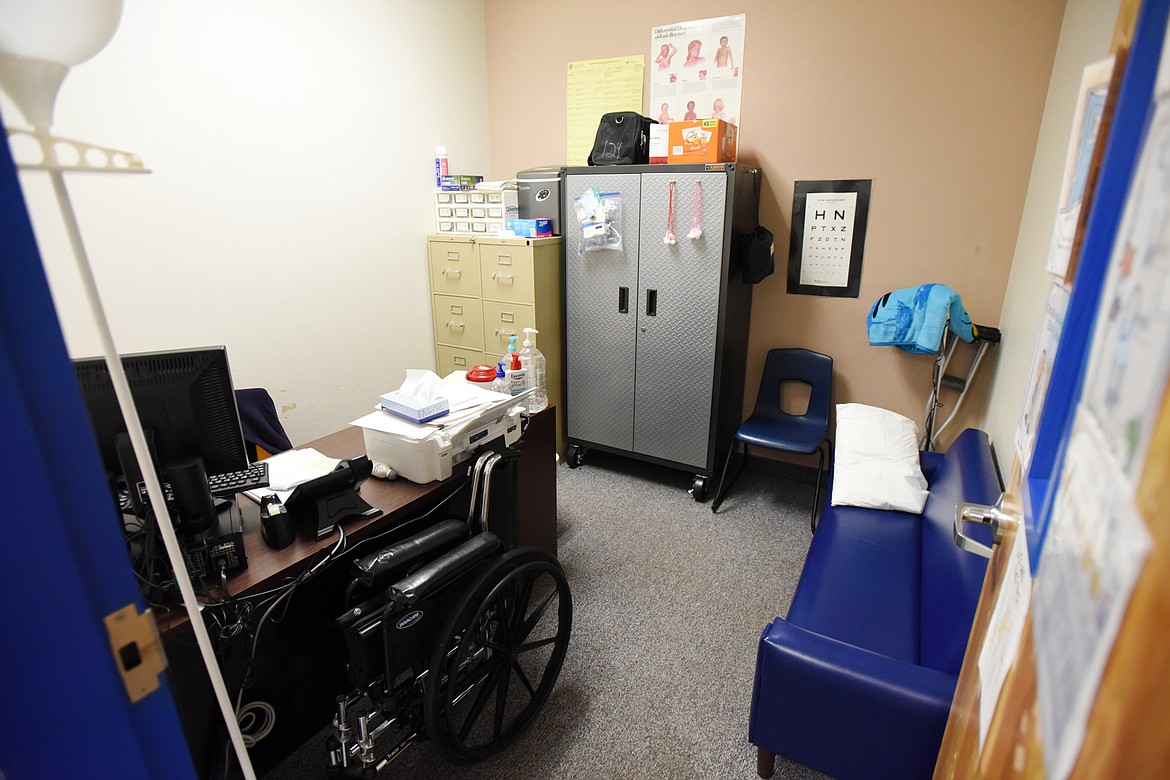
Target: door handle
[623,300]
[651,303]
[992,516]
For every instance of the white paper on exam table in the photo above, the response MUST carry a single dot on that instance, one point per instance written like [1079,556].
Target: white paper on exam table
[290,468]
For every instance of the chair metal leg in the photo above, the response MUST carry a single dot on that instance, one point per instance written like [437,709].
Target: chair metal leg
[724,485]
[817,494]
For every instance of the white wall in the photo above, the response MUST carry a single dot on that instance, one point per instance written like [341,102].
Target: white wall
[291,143]
[1085,37]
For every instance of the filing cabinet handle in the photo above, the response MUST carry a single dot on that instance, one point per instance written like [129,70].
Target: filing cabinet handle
[452,272]
[502,277]
[453,325]
[501,333]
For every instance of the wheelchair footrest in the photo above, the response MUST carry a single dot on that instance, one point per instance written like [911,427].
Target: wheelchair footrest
[442,571]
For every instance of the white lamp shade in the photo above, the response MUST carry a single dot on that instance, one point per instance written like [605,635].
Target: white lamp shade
[65,32]
[41,39]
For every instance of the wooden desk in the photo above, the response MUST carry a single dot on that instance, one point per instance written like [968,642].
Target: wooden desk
[399,500]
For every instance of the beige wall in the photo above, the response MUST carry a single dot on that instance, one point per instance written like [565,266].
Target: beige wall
[287,212]
[939,103]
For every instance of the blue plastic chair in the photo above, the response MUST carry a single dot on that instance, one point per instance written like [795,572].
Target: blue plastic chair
[771,427]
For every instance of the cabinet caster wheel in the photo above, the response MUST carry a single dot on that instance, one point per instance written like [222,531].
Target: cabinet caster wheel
[699,488]
[575,456]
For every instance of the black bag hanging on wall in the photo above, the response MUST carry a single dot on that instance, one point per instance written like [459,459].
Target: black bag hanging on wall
[622,138]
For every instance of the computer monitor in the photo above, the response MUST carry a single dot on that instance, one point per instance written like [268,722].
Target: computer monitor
[185,402]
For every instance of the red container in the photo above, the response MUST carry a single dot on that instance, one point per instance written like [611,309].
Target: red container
[482,374]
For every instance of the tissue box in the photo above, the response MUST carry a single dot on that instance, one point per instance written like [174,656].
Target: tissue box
[702,141]
[412,410]
[530,228]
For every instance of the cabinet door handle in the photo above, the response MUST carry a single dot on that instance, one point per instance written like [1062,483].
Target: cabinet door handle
[455,325]
[502,277]
[623,300]
[504,334]
[651,303]
[456,272]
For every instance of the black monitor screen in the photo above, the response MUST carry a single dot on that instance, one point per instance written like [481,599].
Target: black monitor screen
[185,402]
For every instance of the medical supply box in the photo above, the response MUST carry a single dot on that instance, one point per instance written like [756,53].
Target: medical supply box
[531,228]
[701,141]
[540,194]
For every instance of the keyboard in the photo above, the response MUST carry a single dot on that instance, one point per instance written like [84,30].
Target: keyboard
[255,476]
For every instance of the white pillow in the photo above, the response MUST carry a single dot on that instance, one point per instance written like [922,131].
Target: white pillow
[876,461]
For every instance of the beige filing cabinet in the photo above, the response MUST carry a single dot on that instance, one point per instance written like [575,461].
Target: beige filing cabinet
[484,289]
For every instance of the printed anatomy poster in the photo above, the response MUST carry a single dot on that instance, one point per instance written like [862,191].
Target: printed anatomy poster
[696,70]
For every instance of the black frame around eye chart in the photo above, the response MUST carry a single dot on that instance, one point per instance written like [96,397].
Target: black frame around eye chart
[825,277]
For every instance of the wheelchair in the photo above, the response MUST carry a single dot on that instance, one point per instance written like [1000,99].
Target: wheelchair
[450,637]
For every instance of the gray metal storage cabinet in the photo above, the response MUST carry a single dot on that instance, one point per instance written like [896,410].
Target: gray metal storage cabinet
[656,334]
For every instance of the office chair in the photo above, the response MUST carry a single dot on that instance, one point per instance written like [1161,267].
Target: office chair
[263,433]
[771,427]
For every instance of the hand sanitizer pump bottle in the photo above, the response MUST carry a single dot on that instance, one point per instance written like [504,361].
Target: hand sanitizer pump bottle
[533,360]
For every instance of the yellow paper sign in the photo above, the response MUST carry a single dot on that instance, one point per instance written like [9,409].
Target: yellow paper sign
[595,88]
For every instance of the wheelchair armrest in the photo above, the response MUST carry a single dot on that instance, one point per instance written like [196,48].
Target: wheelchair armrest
[437,538]
[443,570]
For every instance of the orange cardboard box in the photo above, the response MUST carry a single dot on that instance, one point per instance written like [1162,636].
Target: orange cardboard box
[701,141]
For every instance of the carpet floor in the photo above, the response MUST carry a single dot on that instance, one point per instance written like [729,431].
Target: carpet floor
[669,601]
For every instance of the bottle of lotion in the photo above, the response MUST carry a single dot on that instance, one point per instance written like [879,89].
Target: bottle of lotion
[517,376]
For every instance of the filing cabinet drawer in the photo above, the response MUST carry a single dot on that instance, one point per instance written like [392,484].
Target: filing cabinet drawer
[458,322]
[506,272]
[448,359]
[501,320]
[454,267]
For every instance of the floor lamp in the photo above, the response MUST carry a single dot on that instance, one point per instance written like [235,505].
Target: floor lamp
[40,40]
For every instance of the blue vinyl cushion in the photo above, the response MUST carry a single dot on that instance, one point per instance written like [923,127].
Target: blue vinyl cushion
[860,581]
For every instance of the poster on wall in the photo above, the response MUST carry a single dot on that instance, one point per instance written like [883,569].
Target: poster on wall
[696,70]
[1086,126]
[829,219]
[1043,359]
[595,88]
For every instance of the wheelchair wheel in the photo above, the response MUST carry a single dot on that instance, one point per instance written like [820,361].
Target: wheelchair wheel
[499,656]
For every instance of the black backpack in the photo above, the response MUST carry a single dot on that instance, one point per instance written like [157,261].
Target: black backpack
[622,138]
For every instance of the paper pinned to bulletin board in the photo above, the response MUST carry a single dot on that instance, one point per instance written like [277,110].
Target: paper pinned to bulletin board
[596,88]
[697,70]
